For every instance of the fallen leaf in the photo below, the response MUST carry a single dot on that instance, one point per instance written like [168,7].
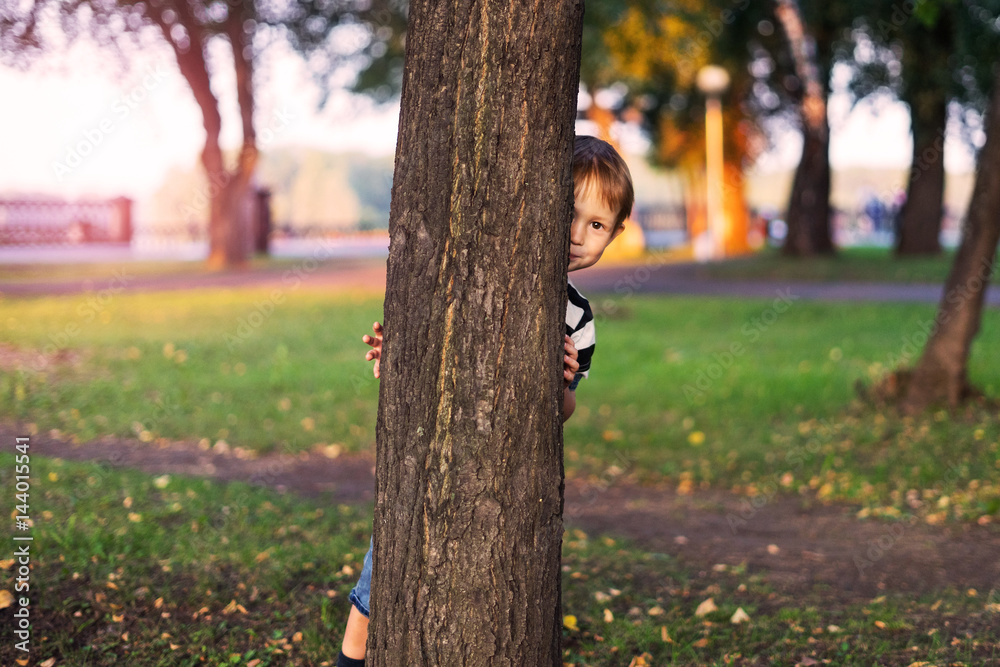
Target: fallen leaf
[665,636]
[48,663]
[880,624]
[655,611]
[6,564]
[701,643]
[740,616]
[608,616]
[162,481]
[706,607]
[569,622]
[6,599]
[773,549]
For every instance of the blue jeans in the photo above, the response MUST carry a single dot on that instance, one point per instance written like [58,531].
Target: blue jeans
[361,593]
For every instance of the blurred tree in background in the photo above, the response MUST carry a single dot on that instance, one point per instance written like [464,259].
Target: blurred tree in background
[328,34]
[937,57]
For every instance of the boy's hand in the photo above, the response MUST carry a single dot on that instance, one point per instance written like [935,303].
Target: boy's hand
[570,364]
[376,343]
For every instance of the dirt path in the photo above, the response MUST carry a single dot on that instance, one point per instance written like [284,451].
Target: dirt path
[799,550]
[619,279]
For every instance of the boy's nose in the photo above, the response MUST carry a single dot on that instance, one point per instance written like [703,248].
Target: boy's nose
[576,233]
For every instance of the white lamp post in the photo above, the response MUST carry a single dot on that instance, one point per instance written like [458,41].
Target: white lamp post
[713,81]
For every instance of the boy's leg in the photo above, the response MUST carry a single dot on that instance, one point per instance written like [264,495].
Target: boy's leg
[355,635]
[356,632]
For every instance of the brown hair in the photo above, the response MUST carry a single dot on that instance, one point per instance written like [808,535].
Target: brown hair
[596,162]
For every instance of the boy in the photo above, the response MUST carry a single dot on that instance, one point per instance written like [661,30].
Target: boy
[603,197]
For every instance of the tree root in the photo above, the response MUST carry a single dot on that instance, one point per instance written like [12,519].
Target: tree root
[893,391]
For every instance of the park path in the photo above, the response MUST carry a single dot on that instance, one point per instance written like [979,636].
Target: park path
[617,279]
[794,546]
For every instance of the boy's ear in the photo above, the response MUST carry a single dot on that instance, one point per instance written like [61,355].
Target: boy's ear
[618,230]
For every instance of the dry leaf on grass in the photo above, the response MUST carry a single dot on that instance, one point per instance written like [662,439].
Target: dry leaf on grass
[740,616]
[706,607]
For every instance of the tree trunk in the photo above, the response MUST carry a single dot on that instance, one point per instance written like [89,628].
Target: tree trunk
[942,372]
[920,220]
[227,244]
[468,513]
[808,214]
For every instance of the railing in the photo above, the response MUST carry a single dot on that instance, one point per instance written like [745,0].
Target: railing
[56,222]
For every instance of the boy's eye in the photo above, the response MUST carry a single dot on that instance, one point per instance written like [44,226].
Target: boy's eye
[597,225]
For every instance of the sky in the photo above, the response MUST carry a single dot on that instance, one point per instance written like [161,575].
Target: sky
[77,127]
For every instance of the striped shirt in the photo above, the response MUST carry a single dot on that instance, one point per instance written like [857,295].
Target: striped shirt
[580,327]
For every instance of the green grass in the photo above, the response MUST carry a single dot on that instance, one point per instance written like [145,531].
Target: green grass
[850,264]
[753,395]
[172,570]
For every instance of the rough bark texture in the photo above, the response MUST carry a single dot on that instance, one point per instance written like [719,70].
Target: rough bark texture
[808,214]
[468,514]
[941,374]
[920,219]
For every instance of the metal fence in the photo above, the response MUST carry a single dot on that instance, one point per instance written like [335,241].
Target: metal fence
[57,222]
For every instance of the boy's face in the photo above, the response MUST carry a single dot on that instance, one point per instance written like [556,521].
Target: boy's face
[593,227]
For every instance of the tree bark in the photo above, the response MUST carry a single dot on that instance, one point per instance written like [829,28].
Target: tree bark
[942,372]
[469,477]
[920,220]
[808,214]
